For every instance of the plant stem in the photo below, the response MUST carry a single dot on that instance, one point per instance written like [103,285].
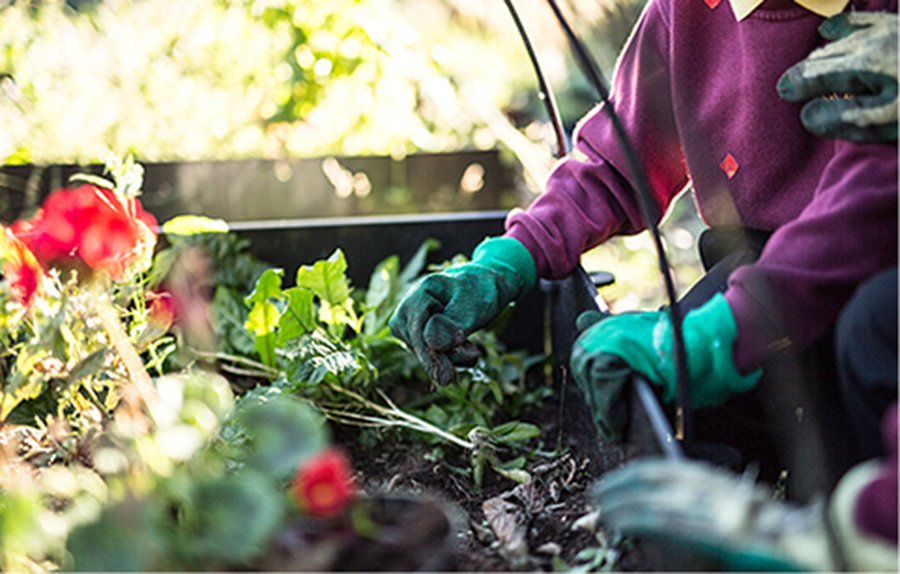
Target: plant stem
[394,413]
[259,368]
[137,374]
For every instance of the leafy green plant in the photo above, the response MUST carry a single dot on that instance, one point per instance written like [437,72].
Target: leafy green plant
[337,351]
[75,311]
[206,488]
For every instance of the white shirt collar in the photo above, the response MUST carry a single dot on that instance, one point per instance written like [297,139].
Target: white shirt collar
[824,8]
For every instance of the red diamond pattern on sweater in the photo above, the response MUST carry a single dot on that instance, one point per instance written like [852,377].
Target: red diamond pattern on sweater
[729,165]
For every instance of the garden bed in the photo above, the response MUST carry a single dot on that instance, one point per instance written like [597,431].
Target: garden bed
[172,415]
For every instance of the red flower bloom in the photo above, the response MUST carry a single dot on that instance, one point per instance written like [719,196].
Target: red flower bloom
[21,269]
[90,229]
[160,309]
[324,485]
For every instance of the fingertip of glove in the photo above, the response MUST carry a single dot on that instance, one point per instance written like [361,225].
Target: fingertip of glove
[588,319]
[787,84]
[465,354]
[836,27]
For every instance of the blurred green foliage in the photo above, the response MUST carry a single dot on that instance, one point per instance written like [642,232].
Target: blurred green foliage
[193,79]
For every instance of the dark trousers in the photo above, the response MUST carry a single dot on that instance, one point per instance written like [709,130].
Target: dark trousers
[798,426]
[866,345]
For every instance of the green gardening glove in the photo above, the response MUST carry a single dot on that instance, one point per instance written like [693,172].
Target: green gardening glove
[710,515]
[851,83]
[644,342]
[436,316]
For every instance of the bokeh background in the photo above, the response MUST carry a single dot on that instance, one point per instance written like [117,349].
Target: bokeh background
[200,80]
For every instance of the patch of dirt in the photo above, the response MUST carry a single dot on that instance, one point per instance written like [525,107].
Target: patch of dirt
[505,526]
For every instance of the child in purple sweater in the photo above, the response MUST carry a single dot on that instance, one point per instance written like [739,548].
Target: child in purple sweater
[702,92]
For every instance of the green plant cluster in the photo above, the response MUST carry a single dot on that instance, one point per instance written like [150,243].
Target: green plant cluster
[126,451]
[337,351]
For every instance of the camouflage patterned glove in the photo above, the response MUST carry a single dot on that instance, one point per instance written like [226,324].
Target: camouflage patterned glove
[851,83]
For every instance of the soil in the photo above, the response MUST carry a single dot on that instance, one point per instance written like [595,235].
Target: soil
[503,526]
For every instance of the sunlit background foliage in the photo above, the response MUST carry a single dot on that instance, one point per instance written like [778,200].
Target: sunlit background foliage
[182,80]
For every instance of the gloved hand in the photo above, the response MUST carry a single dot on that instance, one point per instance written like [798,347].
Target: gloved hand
[852,82]
[712,514]
[643,342]
[436,316]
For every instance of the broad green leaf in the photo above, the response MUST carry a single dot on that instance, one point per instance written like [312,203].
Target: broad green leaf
[416,264]
[281,432]
[381,293]
[339,316]
[326,278]
[264,314]
[514,432]
[268,286]
[436,415]
[382,282]
[299,316]
[126,537]
[194,225]
[232,518]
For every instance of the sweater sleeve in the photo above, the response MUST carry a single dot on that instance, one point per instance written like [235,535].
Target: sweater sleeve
[811,266]
[591,198]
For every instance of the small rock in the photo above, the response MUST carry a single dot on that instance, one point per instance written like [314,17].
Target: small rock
[551,548]
[587,522]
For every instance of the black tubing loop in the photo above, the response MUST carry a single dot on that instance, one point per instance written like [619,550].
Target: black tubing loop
[646,202]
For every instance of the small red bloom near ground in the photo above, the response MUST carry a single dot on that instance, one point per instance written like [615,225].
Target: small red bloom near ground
[160,309]
[323,486]
[90,229]
[21,268]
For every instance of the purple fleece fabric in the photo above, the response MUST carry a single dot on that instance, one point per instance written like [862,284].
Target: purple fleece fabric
[875,511]
[695,90]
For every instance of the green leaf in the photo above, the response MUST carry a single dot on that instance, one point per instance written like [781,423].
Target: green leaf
[23,384]
[299,317]
[517,463]
[264,314]
[381,293]
[382,282]
[231,317]
[268,286]
[194,225]
[90,365]
[416,264]
[278,433]
[514,431]
[232,518]
[515,475]
[126,537]
[327,279]
[313,357]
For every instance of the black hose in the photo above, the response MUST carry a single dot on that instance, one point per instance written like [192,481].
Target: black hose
[646,202]
[546,93]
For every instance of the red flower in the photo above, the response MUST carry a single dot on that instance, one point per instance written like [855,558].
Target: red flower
[90,229]
[160,309]
[324,485]
[21,269]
